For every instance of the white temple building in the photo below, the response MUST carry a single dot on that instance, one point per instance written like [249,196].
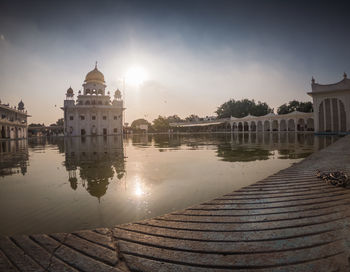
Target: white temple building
[331,104]
[13,122]
[93,113]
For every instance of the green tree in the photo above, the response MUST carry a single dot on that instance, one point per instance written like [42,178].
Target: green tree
[174,118]
[192,117]
[161,124]
[295,105]
[59,122]
[241,108]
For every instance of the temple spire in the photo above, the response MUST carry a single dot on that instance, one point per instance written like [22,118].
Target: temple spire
[345,75]
[96,64]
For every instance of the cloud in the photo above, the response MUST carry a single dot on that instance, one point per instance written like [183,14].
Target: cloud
[2,37]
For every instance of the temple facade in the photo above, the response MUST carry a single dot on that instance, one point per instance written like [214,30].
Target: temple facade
[331,104]
[13,122]
[93,113]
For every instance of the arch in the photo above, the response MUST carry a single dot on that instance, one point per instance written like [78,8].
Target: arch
[253,126]
[234,126]
[310,126]
[332,115]
[240,126]
[266,125]
[321,117]
[342,117]
[3,132]
[259,126]
[100,92]
[274,125]
[87,91]
[245,126]
[87,102]
[291,125]
[93,102]
[283,125]
[301,125]
[328,124]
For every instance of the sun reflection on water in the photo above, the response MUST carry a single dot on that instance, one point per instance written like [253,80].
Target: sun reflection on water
[139,190]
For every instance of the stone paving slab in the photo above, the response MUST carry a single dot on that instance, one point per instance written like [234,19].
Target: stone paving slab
[290,221]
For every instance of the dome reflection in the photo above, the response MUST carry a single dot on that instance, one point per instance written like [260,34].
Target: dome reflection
[95,160]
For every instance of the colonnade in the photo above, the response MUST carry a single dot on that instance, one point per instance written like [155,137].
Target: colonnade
[12,132]
[290,124]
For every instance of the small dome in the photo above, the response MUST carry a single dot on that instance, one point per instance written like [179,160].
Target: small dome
[70,90]
[117,94]
[21,105]
[95,76]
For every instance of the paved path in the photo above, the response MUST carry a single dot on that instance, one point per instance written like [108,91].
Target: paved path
[290,221]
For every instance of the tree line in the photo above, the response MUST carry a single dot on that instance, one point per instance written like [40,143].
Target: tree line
[234,108]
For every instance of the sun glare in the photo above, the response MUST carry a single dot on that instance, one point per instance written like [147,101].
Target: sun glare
[138,190]
[136,75]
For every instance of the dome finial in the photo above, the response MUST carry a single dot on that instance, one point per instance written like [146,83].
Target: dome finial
[345,75]
[312,80]
[96,64]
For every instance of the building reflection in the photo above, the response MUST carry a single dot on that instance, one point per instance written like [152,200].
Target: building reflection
[241,147]
[93,162]
[260,146]
[13,157]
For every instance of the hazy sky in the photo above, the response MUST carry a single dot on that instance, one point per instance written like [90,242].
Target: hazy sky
[196,54]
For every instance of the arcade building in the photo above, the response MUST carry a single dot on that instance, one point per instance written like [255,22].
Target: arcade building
[93,113]
[13,122]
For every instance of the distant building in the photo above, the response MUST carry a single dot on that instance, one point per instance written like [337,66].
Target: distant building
[13,121]
[331,104]
[142,127]
[93,113]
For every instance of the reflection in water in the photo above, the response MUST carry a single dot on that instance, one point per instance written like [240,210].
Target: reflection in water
[13,157]
[96,159]
[52,185]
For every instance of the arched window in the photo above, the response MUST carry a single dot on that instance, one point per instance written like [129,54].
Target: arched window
[87,102]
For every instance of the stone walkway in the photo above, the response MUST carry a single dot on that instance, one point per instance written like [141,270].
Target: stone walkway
[290,221]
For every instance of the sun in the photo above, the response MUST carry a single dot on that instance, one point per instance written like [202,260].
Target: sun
[136,75]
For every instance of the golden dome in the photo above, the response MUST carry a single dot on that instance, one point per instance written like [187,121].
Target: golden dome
[95,76]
